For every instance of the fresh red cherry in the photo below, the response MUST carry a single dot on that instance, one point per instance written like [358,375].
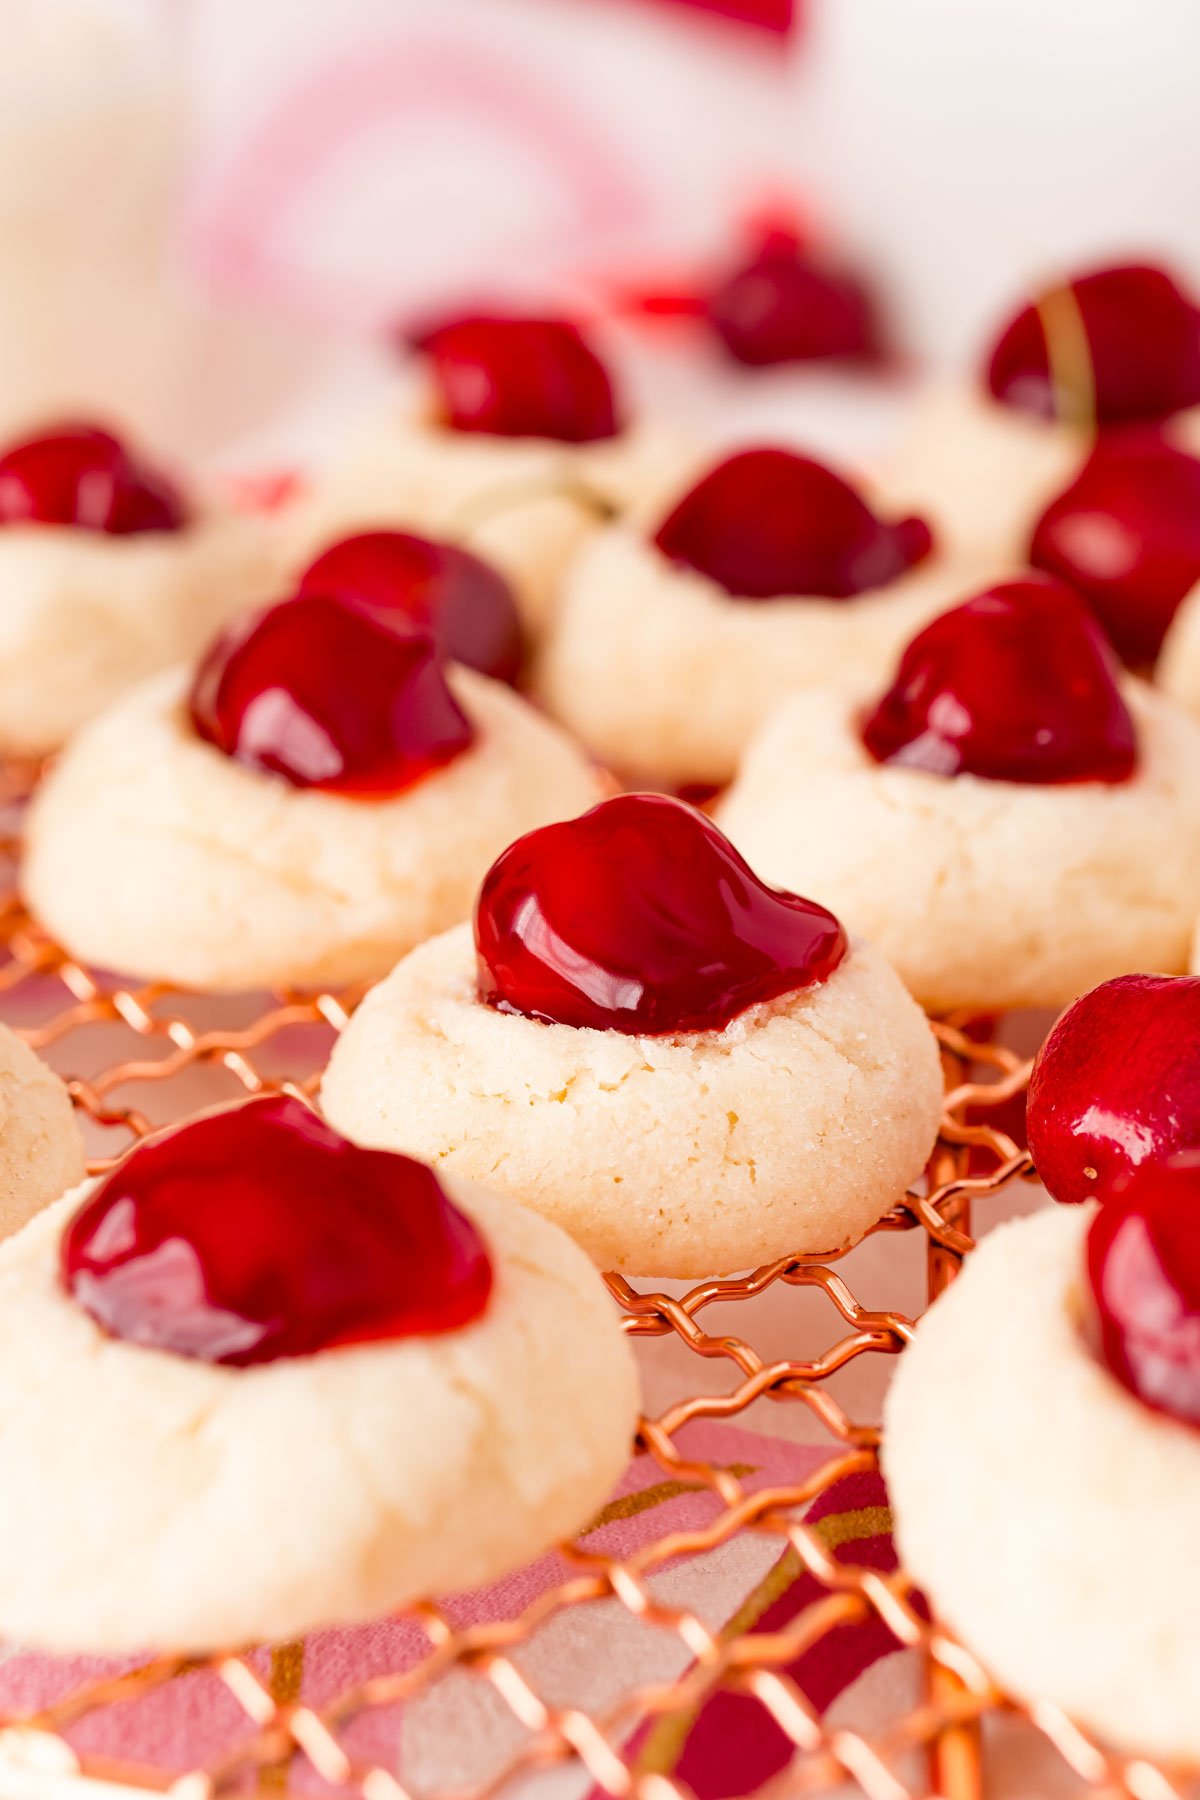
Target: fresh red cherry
[424,585]
[1128,349]
[1126,533]
[324,694]
[641,917]
[1017,684]
[786,305]
[258,1232]
[82,476]
[1143,1272]
[509,377]
[1116,1084]
[766,524]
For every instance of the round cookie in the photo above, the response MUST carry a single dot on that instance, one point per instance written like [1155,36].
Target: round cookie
[793,1129]
[259,1503]
[982,892]
[514,445]
[999,1416]
[41,1149]
[1177,671]
[659,671]
[771,574]
[982,472]
[87,612]
[525,504]
[83,618]
[150,851]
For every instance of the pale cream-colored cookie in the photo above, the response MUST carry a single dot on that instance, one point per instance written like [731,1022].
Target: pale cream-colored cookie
[982,472]
[525,504]
[1071,1571]
[41,1149]
[793,1129]
[83,616]
[150,851]
[982,893]
[159,1501]
[1177,671]
[662,673]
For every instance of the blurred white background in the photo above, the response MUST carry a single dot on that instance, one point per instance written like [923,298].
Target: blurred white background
[958,145]
[330,167]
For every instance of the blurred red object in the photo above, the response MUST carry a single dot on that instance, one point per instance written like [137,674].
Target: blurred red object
[266,491]
[780,298]
[784,303]
[769,15]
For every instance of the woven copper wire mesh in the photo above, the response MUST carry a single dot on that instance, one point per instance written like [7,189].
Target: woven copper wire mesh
[138,1057]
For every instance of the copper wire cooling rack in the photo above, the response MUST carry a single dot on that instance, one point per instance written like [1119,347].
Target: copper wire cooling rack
[138,1057]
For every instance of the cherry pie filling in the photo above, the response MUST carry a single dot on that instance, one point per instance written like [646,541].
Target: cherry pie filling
[1111,347]
[258,1233]
[1126,534]
[426,585]
[641,917]
[1116,1084]
[325,694]
[1142,1268]
[784,304]
[519,378]
[1017,684]
[769,524]
[80,475]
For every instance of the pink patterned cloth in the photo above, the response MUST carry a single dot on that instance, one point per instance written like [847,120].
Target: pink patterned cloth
[726,1749]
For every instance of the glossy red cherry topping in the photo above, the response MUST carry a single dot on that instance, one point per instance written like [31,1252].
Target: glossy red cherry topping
[425,585]
[786,305]
[767,524]
[1126,533]
[324,694]
[1126,346]
[82,476]
[258,1232]
[1116,1084]
[641,917]
[511,377]
[1017,684]
[1143,1272]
